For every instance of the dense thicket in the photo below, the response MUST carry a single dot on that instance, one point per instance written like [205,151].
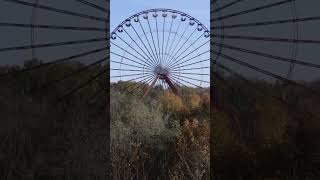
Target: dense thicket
[163,136]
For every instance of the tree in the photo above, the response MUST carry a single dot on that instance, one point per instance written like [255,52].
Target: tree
[192,151]
[172,103]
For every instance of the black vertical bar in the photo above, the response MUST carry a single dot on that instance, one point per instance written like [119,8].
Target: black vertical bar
[213,96]
[107,99]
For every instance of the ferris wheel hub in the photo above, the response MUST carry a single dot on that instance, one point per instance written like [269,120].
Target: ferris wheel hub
[161,72]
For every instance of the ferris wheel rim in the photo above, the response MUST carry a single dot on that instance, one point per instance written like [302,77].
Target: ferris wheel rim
[160,10]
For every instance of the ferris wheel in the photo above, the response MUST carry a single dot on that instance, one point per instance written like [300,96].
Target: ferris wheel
[160,47]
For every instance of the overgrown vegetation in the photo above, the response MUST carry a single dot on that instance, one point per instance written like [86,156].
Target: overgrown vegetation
[251,135]
[163,136]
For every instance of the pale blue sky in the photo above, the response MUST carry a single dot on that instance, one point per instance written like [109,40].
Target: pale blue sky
[121,9]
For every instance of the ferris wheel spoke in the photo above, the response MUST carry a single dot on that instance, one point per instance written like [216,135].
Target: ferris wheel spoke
[251,85]
[268,39]
[127,75]
[173,40]
[145,59]
[258,53]
[54,62]
[128,70]
[168,39]
[129,59]
[97,93]
[176,63]
[182,35]
[82,85]
[173,66]
[197,74]
[177,82]
[158,41]
[265,23]
[93,6]
[226,6]
[199,80]
[142,83]
[141,60]
[173,56]
[239,76]
[52,27]
[191,64]
[136,78]
[71,74]
[144,79]
[252,10]
[140,67]
[188,82]
[191,69]
[61,11]
[154,45]
[153,58]
[191,44]
[270,74]
[145,35]
[164,23]
[148,58]
[56,44]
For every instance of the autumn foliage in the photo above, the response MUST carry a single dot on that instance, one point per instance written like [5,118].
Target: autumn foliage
[164,137]
[172,102]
